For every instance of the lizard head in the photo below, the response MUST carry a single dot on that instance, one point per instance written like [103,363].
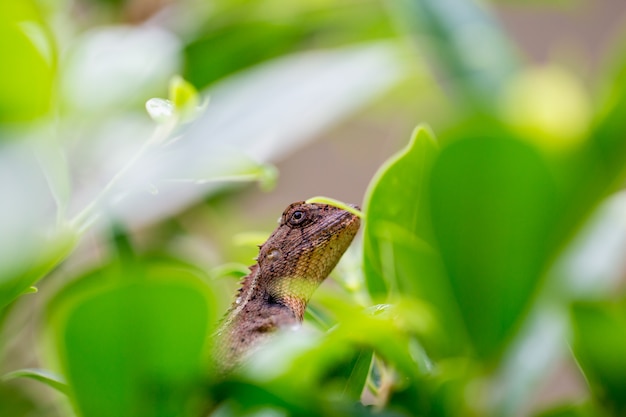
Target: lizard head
[304,249]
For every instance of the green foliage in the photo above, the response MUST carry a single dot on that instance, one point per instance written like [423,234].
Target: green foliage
[131,338]
[27,81]
[45,256]
[599,345]
[506,222]
[493,209]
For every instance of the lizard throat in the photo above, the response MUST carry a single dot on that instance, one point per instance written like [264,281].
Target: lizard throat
[293,292]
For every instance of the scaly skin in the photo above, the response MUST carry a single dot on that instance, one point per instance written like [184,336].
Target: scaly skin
[292,263]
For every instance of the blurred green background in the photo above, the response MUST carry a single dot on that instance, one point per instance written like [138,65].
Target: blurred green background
[147,146]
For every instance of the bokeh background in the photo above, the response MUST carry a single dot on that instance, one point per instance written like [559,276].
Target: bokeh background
[302,99]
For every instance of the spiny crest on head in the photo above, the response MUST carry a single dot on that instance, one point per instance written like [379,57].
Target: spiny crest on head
[246,281]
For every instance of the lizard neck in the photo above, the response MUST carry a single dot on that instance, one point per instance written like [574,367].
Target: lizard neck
[292,292]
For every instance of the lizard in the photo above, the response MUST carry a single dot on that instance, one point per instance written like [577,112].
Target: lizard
[302,251]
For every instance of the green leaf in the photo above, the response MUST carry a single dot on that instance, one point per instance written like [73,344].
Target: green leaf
[46,255]
[400,253]
[359,370]
[599,345]
[26,81]
[131,340]
[397,199]
[493,208]
[42,375]
[609,135]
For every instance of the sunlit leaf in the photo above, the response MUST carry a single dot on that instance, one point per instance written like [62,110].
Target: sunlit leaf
[183,95]
[26,79]
[397,198]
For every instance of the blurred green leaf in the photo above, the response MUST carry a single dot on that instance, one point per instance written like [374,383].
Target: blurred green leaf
[467,44]
[438,394]
[493,207]
[27,76]
[15,402]
[42,375]
[329,372]
[609,135]
[183,95]
[185,98]
[225,50]
[131,338]
[277,29]
[359,369]
[569,410]
[48,254]
[599,345]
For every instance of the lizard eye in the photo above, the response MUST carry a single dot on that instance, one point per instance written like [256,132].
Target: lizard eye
[297,217]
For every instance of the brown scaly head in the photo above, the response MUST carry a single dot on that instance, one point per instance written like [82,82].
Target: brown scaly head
[292,263]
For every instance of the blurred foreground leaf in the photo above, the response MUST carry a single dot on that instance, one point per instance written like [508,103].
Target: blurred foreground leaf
[46,255]
[609,135]
[599,346]
[493,207]
[27,75]
[570,411]
[131,339]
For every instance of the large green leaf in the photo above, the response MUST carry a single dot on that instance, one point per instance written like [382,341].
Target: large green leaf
[395,204]
[493,207]
[400,255]
[600,347]
[131,340]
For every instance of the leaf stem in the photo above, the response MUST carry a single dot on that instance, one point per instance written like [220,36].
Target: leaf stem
[88,215]
[336,203]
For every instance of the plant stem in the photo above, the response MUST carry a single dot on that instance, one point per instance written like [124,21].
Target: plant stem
[88,215]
